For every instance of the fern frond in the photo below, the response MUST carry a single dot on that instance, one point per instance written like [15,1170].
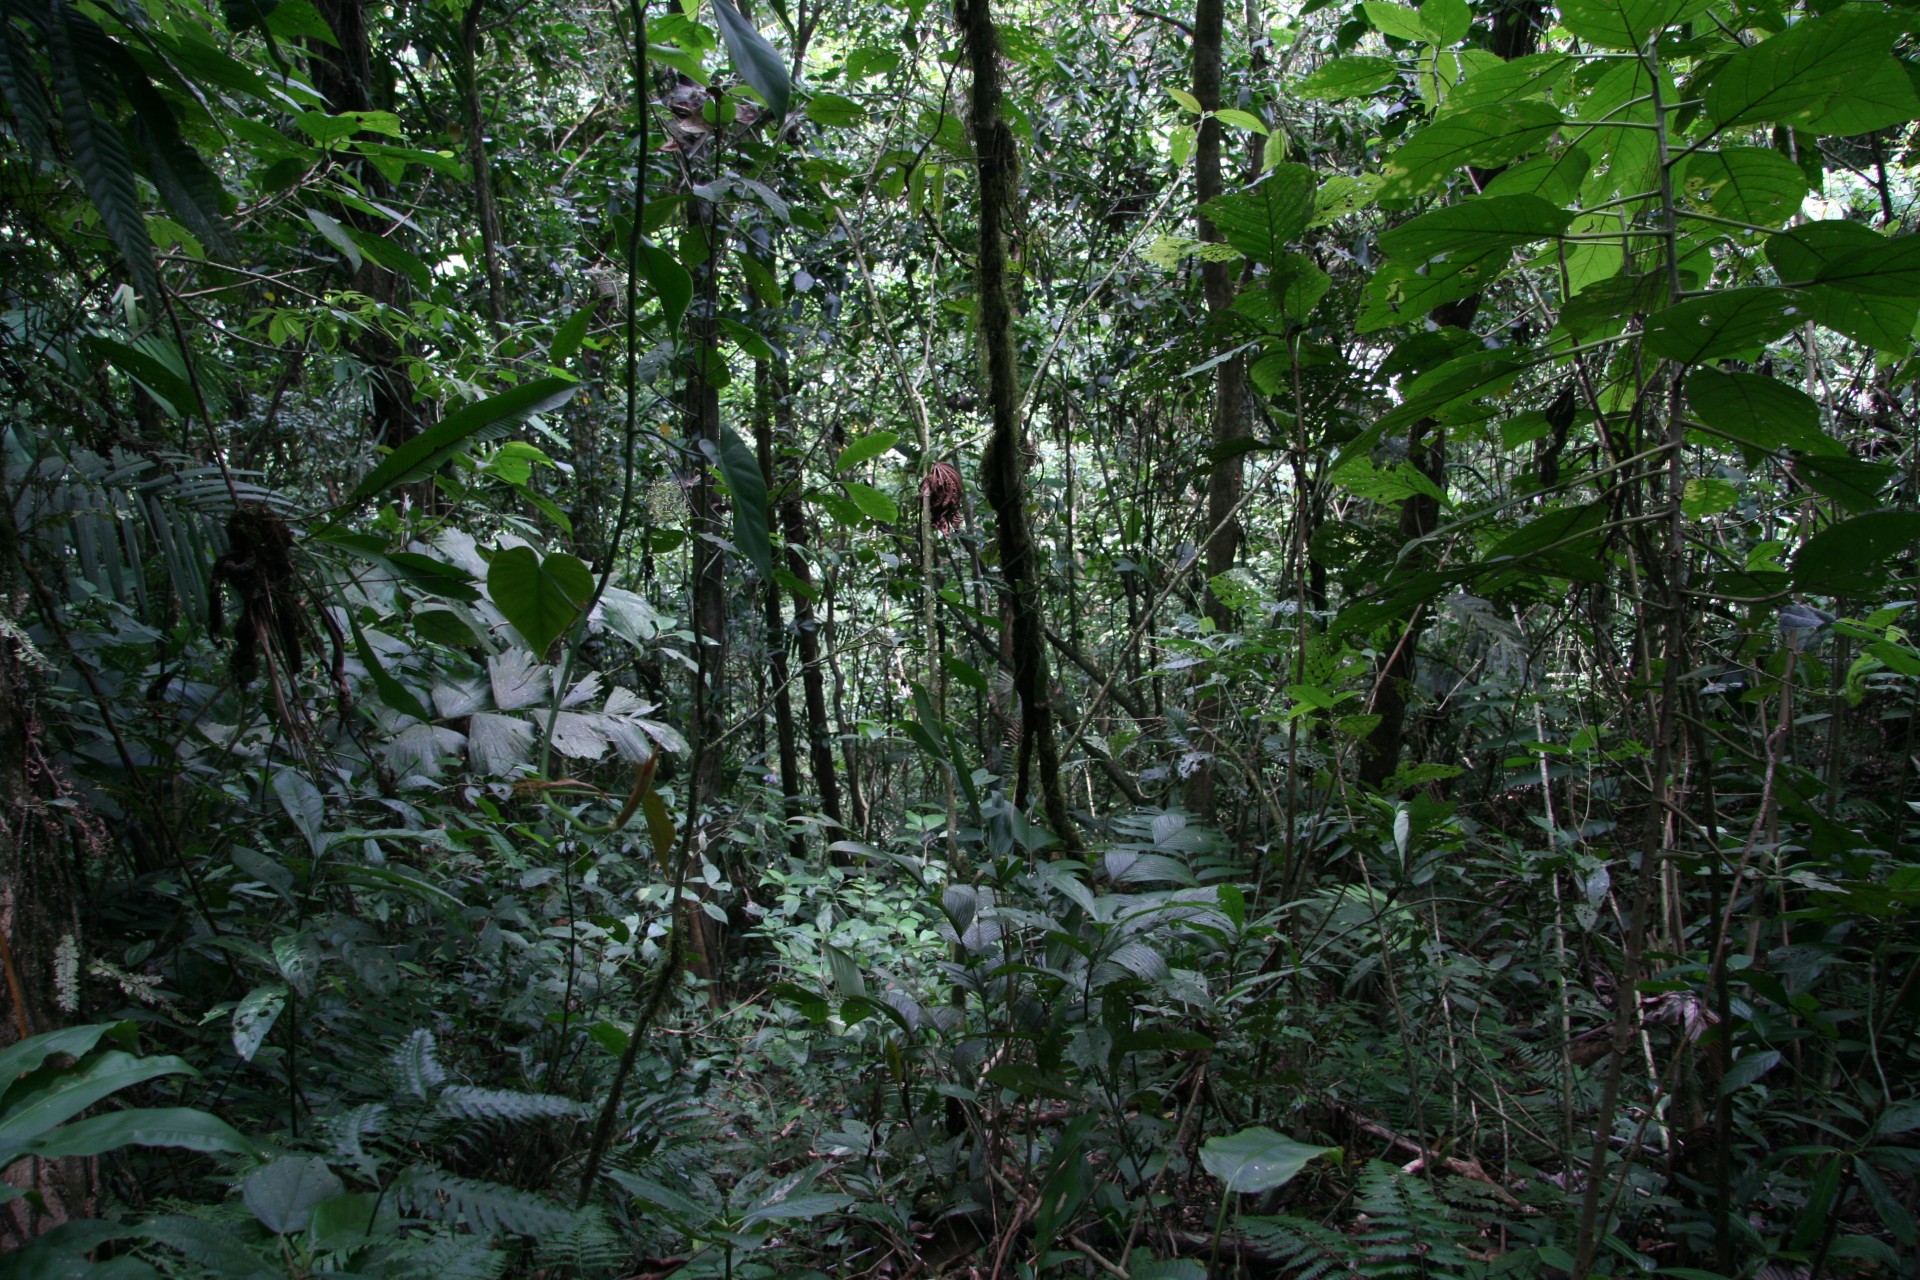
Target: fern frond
[450,1257]
[470,1103]
[589,1244]
[487,1208]
[1410,1234]
[1305,1250]
[349,1132]
[215,1246]
[99,151]
[416,1068]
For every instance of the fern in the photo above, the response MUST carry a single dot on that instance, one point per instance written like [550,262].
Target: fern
[485,1207]
[1410,1234]
[446,1257]
[469,1103]
[416,1068]
[588,1244]
[1305,1250]
[349,1132]
[99,150]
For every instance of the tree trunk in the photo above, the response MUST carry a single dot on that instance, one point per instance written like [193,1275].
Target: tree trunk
[806,626]
[1002,466]
[1227,480]
[484,207]
[776,626]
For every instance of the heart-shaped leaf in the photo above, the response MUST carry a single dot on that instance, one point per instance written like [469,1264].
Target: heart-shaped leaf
[1257,1159]
[541,598]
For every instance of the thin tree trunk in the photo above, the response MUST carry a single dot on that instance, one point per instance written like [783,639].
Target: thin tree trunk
[1227,480]
[776,627]
[1002,466]
[489,213]
[806,626]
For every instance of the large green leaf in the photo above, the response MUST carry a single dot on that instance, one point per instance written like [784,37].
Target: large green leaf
[1624,24]
[1476,227]
[1261,221]
[1848,558]
[749,489]
[670,282]
[758,62]
[865,448]
[69,1092]
[470,424]
[1801,253]
[1726,323]
[1257,1159]
[1350,77]
[541,598]
[1764,413]
[1888,268]
[1748,184]
[1484,136]
[181,1127]
[1797,75]
[17,1060]
[284,1195]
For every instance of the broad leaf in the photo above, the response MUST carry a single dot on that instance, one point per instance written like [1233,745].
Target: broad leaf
[670,282]
[1476,227]
[284,1195]
[873,504]
[1261,221]
[541,598]
[1847,558]
[1625,24]
[758,62]
[1747,184]
[1730,322]
[181,1127]
[254,1016]
[749,489]
[1349,77]
[1257,1159]
[866,447]
[67,1093]
[1759,411]
[1484,136]
[483,420]
[1889,268]
[1796,75]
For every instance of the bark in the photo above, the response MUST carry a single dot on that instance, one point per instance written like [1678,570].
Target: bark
[776,626]
[1227,480]
[484,206]
[1002,466]
[343,74]
[806,625]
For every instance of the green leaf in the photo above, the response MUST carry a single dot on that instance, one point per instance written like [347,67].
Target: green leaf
[99,151]
[865,448]
[1476,227]
[1243,120]
[483,420]
[1750,1066]
[1257,1159]
[749,489]
[834,111]
[1889,268]
[1730,322]
[164,380]
[1854,483]
[567,340]
[1706,496]
[758,62]
[392,692]
[873,504]
[1748,184]
[1354,76]
[181,1127]
[1796,75]
[1187,101]
[541,598]
[1261,221]
[1448,20]
[336,235]
[284,1195]
[1847,558]
[1484,136]
[1625,24]
[1398,21]
[1756,410]
[254,1016]
[670,282]
[72,1091]
[17,1060]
